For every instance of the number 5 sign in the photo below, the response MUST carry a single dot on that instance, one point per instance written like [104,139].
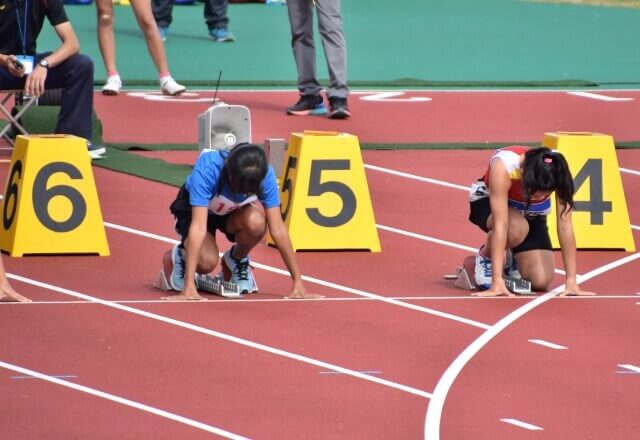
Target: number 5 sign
[324,195]
[50,203]
[600,216]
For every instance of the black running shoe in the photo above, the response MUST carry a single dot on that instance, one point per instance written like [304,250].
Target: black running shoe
[338,108]
[308,105]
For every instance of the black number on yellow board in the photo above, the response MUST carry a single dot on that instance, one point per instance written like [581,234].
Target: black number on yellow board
[595,206]
[287,186]
[42,196]
[317,188]
[11,197]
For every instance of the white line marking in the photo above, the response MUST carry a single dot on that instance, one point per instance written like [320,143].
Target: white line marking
[547,344]
[630,367]
[57,376]
[599,97]
[363,372]
[414,177]
[521,424]
[337,299]
[223,336]
[628,171]
[391,97]
[123,401]
[637,228]
[434,410]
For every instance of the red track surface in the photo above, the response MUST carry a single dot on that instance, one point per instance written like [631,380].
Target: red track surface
[262,367]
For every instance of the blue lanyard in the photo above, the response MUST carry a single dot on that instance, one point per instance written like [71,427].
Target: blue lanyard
[23,34]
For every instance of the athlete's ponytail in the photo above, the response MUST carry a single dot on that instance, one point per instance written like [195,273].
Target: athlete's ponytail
[546,170]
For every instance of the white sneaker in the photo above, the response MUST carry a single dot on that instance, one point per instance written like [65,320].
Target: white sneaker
[482,273]
[112,86]
[511,266]
[170,87]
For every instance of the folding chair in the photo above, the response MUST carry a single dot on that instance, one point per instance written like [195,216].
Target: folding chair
[12,120]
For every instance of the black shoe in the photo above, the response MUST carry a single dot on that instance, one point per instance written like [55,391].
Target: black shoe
[308,105]
[338,108]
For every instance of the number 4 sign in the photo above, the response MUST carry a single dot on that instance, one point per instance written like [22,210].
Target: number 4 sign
[50,204]
[600,216]
[324,195]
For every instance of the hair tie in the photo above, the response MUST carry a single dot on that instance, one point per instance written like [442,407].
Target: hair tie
[548,160]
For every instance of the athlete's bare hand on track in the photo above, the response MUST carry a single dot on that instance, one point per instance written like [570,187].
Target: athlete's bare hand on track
[184,297]
[576,292]
[304,295]
[7,294]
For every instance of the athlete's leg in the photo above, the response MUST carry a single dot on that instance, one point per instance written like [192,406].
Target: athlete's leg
[106,38]
[536,266]
[248,225]
[144,16]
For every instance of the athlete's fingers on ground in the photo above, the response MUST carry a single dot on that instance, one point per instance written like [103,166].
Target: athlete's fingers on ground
[490,293]
[580,293]
[14,298]
[183,297]
[305,296]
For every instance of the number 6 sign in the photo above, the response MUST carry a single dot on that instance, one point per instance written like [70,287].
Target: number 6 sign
[324,195]
[50,204]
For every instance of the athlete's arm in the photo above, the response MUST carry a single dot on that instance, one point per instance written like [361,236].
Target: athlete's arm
[280,236]
[567,240]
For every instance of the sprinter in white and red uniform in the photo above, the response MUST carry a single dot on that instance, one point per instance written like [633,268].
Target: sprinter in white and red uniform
[511,203]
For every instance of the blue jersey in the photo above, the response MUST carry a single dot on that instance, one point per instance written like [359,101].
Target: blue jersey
[202,185]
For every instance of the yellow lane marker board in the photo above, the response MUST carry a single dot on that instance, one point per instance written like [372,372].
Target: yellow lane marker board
[50,203]
[600,217]
[324,194]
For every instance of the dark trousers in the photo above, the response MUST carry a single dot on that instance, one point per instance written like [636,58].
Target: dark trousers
[75,78]
[215,13]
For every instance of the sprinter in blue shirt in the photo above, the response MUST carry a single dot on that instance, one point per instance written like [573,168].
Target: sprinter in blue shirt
[235,192]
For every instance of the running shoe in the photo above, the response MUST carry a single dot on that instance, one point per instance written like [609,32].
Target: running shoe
[173,266]
[113,86]
[238,272]
[482,273]
[221,35]
[511,266]
[308,105]
[170,87]
[338,108]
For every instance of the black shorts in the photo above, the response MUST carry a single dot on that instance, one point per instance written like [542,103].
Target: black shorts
[181,209]
[537,238]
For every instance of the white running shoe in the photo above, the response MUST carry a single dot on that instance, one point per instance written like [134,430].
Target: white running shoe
[170,87]
[511,266]
[482,273]
[113,86]
[238,272]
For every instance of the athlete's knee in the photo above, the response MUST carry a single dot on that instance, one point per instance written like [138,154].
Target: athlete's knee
[540,281]
[255,222]
[517,231]
[105,18]
[207,263]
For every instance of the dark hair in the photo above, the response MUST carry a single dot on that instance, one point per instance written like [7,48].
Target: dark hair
[244,169]
[546,170]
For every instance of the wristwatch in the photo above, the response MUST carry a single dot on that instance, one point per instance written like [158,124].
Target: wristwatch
[44,63]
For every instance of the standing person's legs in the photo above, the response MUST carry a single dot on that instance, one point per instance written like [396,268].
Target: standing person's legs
[162,12]
[304,51]
[335,48]
[75,77]
[144,16]
[106,38]
[215,15]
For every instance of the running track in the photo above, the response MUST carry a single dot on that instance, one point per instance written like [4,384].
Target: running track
[393,352]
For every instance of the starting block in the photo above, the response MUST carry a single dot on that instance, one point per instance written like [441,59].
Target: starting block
[464,279]
[206,283]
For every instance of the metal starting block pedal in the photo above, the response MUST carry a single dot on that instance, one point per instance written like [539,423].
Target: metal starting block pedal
[461,278]
[518,286]
[161,282]
[218,286]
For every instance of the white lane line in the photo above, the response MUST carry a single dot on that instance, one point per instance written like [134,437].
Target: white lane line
[224,336]
[628,171]
[434,410]
[630,367]
[599,97]
[291,301]
[522,424]
[57,376]
[123,401]
[394,97]
[335,286]
[414,177]
[547,344]
[637,228]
